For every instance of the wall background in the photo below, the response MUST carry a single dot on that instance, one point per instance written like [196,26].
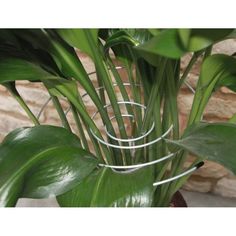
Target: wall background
[210,178]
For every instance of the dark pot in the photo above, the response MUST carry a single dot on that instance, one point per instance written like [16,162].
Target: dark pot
[178,200]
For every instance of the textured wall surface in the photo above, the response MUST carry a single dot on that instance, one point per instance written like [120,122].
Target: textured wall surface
[210,178]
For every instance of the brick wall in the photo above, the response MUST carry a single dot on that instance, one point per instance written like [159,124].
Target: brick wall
[210,178]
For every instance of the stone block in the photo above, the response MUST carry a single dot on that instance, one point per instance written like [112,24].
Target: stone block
[9,123]
[211,170]
[226,187]
[33,95]
[203,186]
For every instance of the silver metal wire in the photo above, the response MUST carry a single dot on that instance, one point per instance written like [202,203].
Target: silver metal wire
[189,171]
[190,87]
[43,107]
[117,67]
[130,139]
[133,146]
[114,84]
[127,115]
[138,166]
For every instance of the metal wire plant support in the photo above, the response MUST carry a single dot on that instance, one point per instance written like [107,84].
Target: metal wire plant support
[131,142]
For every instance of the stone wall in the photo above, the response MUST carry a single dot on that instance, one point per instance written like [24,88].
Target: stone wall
[210,178]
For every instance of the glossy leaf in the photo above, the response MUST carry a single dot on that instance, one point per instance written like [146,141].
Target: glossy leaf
[41,162]
[107,188]
[123,42]
[12,69]
[216,71]
[175,43]
[77,38]
[215,142]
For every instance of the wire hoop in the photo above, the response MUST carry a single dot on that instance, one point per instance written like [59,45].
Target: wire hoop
[130,140]
[126,115]
[189,171]
[114,85]
[138,166]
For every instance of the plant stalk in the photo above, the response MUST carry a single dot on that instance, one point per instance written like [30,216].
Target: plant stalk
[22,103]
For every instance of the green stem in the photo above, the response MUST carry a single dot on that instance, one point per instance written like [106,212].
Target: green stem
[153,96]
[79,127]
[172,96]
[22,103]
[149,112]
[135,91]
[93,140]
[120,85]
[171,103]
[154,151]
[76,101]
[72,67]
[143,78]
[207,52]
[104,74]
[61,113]
[201,97]
[188,69]
[101,91]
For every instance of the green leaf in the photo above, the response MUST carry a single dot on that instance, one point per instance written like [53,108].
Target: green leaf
[107,188]
[77,38]
[122,42]
[216,71]
[167,43]
[233,119]
[12,69]
[55,86]
[41,162]
[174,43]
[203,38]
[215,142]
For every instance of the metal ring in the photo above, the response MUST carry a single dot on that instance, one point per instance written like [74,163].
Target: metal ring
[117,67]
[131,139]
[135,146]
[138,166]
[114,84]
[180,175]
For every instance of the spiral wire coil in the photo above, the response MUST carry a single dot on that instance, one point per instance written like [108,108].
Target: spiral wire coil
[131,141]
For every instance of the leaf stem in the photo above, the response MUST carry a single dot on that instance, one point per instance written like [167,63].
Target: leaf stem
[188,69]
[22,103]
[79,127]
[61,113]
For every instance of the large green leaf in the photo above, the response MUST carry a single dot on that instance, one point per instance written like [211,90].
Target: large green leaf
[12,69]
[174,43]
[123,42]
[107,188]
[40,162]
[77,38]
[215,142]
[216,71]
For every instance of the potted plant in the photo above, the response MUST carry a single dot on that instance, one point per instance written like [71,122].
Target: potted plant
[136,159]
